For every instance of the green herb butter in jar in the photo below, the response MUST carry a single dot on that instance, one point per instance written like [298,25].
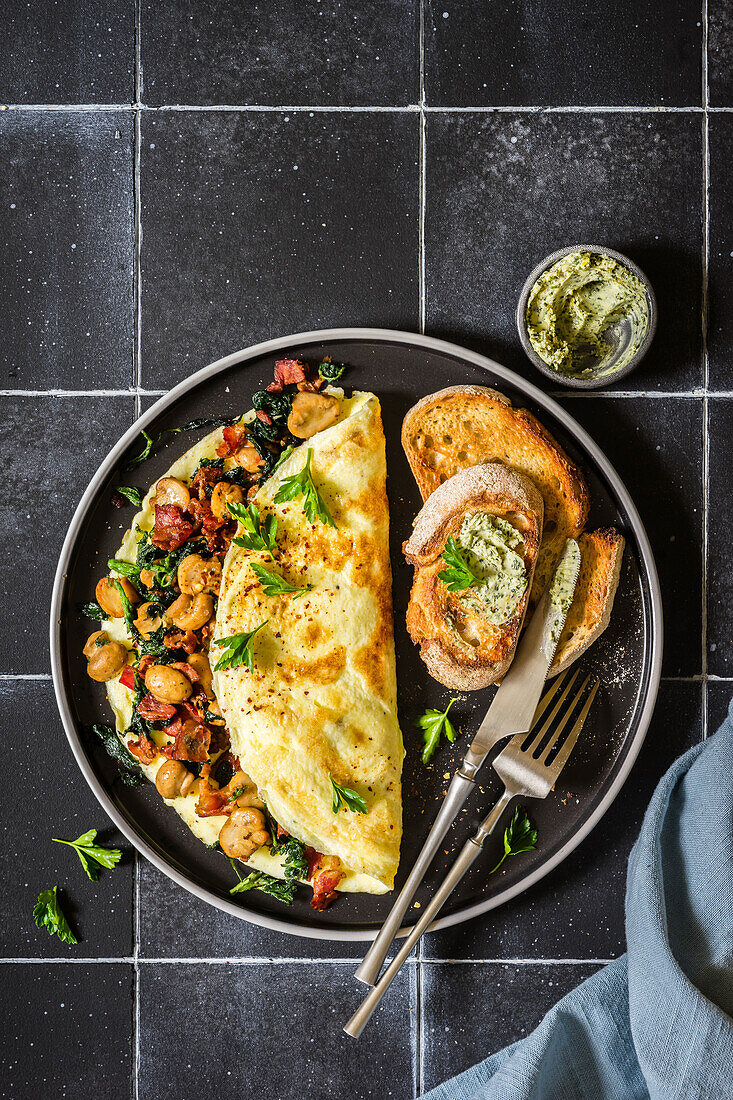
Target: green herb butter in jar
[587,315]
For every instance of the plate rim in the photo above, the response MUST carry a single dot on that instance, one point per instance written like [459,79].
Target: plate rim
[372,335]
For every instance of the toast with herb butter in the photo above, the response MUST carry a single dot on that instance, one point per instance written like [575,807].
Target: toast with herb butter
[474,547]
[601,552]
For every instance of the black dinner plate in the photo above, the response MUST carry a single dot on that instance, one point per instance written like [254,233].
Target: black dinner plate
[400,368]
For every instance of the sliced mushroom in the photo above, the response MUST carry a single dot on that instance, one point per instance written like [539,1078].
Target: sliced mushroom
[147,622]
[169,490]
[191,612]
[249,458]
[173,779]
[225,493]
[196,574]
[311,413]
[199,662]
[105,659]
[245,789]
[243,833]
[108,596]
[167,684]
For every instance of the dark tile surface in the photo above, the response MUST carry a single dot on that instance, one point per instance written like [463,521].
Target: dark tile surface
[327,53]
[720,53]
[505,190]
[720,585]
[52,52]
[656,447]
[66,261]
[283,1021]
[66,1031]
[42,494]
[172,920]
[577,912]
[720,322]
[499,1004]
[606,52]
[100,913]
[259,224]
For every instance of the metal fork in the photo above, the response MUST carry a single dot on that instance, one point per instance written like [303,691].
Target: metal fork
[528,767]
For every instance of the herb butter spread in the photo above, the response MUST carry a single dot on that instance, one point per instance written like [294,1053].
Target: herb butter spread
[563,587]
[587,315]
[488,543]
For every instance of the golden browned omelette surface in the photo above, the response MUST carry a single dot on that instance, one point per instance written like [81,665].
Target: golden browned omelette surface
[320,702]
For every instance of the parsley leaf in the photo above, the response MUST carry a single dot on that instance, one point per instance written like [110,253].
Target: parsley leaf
[283,457]
[133,495]
[330,371]
[433,723]
[259,533]
[344,796]
[302,485]
[130,772]
[519,836]
[47,913]
[459,575]
[87,850]
[275,585]
[237,650]
[258,880]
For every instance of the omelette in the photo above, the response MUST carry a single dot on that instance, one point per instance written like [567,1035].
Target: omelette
[286,754]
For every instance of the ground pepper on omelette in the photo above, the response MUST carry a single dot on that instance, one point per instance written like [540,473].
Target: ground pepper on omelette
[164,629]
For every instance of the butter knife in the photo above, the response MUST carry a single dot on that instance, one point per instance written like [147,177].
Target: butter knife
[512,711]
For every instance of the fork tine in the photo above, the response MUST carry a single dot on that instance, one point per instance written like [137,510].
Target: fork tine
[548,697]
[563,721]
[537,739]
[560,760]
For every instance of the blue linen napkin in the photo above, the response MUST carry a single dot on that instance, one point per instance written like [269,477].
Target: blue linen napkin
[656,1023]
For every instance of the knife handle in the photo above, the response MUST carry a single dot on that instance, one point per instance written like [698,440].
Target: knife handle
[457,793]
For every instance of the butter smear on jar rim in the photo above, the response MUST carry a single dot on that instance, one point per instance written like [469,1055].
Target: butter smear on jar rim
[587,315]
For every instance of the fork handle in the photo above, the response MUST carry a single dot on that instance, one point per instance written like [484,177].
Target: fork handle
[469,853]
[457,793]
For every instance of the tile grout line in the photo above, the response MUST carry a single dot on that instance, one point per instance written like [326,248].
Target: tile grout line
[705,366]
[266,960]
[325,108]
[140,391]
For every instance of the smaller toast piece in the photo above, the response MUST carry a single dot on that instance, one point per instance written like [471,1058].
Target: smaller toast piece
[458,644]
[601,552]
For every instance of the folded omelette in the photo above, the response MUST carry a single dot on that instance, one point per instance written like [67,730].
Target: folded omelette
[320,702]
[317,712]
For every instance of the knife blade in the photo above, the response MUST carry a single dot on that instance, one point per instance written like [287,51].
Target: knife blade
[512,711]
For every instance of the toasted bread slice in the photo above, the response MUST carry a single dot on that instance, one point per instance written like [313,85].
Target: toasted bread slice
[460,647]
[601,552]
[464,426]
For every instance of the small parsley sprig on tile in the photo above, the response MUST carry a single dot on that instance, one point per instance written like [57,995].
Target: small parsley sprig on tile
[259,533]
[237,650]
[87,851]
[275,585]
[344,796]
[433,723]
[302,485]
[48,914]
[459,575]
[519,836]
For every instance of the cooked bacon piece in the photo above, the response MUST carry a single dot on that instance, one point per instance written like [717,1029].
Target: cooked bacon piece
[212,801]
[232,761]
[219,739]
[127,677]
[264,416]
[145,664]
[144,749]
[205,520]
[181,639]
[287,371]
[171,528]
[325,874]
[152,710]
[234,437]
[190,673]
[193,708]
[204,480]
[192,741]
